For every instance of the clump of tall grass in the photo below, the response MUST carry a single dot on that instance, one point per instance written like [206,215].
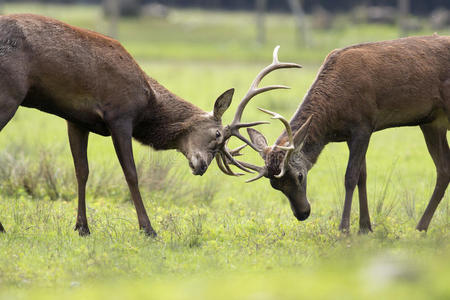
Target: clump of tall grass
[37,174]
[206,193]
[184,230]
[38,178]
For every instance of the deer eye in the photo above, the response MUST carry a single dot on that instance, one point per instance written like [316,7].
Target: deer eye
[300,177]
[218,134]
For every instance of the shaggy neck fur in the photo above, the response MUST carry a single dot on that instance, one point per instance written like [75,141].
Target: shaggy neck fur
[167,119]
[319,103]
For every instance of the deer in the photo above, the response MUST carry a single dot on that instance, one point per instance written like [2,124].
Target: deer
[359,90]
[92,82]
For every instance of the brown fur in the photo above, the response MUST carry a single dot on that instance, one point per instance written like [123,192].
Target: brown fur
[94,70]
[368,83]
[369,87]
[91,81]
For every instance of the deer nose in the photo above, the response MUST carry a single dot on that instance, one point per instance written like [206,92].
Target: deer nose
[200,167]
[302,215]
[203,167]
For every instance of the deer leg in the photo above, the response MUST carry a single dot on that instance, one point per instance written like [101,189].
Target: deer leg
[358,148]
[8,109]
[437,144]
[78,139]
[121,136]
[364,217]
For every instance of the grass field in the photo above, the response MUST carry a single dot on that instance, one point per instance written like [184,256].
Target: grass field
[219,238]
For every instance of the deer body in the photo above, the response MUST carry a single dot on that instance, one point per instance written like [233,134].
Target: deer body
[63,70]
[378,85]
[91,81]
[359,90]
[83,77]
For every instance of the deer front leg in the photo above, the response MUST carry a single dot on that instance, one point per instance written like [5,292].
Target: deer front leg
[8,107]
[121,136]
[358,148]
[78,139]
[364,217]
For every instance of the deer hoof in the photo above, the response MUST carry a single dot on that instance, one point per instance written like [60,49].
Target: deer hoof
[365,230]
[344,227]
[149,231]
[83,229]
[421,228]
[365,227]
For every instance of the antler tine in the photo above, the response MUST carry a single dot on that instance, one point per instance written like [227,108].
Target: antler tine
[230,158]
[276,64]
[242,125]
[223,161]
[250,166]
[275,55]
[245,140]
[286,124]
[224,167]
[290,147]
[262,171]
[254,90]
[260,175]
[237,151]
[221,166]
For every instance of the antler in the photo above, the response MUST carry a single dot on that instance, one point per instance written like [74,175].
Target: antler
[222,160]
[289,147]
[233,128]
[224,164]
[290,144]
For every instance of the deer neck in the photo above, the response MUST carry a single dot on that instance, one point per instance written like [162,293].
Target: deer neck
[320,129]
[166,120]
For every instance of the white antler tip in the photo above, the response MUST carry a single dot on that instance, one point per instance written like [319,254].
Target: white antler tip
[267,112]
[287,148]
[275,54]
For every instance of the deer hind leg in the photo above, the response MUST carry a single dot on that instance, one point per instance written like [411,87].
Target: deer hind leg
[358,148]
[78,139]
[437,144]
[8,107]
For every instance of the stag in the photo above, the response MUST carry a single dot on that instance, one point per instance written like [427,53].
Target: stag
[359,90]
[91,81]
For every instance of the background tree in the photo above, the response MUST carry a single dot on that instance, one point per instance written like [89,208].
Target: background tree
[403,12]
[300,21]
[260,20]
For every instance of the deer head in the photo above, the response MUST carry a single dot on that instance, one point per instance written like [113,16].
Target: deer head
[207,137]
[285,165]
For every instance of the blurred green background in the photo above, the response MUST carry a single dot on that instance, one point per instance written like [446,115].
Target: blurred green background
[219,238]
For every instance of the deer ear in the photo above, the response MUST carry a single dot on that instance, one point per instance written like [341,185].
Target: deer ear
[258,139]
[222,103]
[301,134]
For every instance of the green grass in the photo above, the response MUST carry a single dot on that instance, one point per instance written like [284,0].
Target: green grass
[219,238]
[219,36]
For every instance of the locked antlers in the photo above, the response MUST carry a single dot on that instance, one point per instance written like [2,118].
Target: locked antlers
[293,141]
[225,156]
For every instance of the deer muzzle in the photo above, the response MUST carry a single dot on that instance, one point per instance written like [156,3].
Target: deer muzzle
[300,209]
[301,216]
[198,165]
